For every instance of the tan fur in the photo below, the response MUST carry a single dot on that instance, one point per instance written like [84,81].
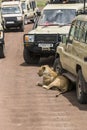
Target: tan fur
[60,82]
[51,79]
[48,74]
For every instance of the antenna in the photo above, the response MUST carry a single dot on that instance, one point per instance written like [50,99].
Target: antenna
[84,6]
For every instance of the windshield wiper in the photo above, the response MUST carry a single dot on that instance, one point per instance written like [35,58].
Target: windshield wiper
[66,24]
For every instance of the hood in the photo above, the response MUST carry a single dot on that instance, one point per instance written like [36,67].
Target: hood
[12,15]
[51,30]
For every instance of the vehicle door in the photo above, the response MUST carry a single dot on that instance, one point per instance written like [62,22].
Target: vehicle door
[32,8]
[68,58]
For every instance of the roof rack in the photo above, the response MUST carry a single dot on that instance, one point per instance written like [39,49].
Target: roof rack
[64,1]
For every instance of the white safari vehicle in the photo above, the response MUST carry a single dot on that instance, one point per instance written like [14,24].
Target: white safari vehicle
[30,10]
[12,15]
[55,21]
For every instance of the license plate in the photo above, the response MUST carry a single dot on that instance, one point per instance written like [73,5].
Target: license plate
[45,45]
[10,22]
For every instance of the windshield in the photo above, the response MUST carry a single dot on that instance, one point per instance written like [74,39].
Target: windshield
[11,10]
[58,17]
[23,5]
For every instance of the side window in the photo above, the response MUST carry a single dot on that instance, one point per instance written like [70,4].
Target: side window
[72,31]
[82,32]
[31,5]
[34,4]
[85,26]
[77,30]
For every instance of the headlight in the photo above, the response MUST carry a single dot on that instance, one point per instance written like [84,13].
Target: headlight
[19,18]
[1,34]
[28,38]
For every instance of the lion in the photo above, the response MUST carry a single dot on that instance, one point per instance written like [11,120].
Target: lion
[51,79]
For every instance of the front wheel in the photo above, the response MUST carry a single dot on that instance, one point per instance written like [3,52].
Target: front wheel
[57,66]
[2,53]
[25,20]
[29,57]
[22,27]
[81,96]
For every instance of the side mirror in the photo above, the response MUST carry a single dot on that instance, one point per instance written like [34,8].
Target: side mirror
[38,13]
[64,39]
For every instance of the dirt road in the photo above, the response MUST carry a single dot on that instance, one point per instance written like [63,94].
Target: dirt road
[25,106]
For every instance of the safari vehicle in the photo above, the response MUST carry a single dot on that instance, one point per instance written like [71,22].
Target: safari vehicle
[71,58]
[30,10]
[46,35]
[2,43]
[12,15]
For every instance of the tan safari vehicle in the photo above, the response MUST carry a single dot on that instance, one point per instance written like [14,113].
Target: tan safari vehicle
[30,10]
[55,21]
[71,58]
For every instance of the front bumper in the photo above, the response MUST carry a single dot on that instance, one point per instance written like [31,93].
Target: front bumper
[12,22]
[43,44]
[44,52]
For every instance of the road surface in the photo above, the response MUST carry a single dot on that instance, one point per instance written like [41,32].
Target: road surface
[25,106]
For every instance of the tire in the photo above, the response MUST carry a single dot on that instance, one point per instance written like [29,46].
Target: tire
[2,55]
[33,19]
[57,66]
[22,28]
[25,20]
[29,57]
[81,96]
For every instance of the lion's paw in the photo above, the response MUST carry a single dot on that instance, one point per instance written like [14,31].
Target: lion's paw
[45,86]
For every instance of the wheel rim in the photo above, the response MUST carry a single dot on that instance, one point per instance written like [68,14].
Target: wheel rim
[57,69]
[79,89]
[25,20]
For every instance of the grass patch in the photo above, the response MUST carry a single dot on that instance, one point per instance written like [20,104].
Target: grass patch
[41,3]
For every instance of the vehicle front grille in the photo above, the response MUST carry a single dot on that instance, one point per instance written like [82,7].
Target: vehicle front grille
[10,19]
[46,38]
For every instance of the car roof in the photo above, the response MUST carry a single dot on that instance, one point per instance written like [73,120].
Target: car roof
[10,3]
[76,6]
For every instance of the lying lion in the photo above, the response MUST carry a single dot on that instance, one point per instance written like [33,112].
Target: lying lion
[52,79]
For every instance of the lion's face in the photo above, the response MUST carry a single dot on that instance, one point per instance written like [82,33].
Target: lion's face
[41,70]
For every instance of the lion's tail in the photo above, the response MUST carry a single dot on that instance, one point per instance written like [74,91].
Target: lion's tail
[60,93]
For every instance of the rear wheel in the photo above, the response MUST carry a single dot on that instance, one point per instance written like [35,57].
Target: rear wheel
[81,96]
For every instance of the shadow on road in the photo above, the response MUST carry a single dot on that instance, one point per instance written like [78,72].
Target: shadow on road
[43,61]
[71,96]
